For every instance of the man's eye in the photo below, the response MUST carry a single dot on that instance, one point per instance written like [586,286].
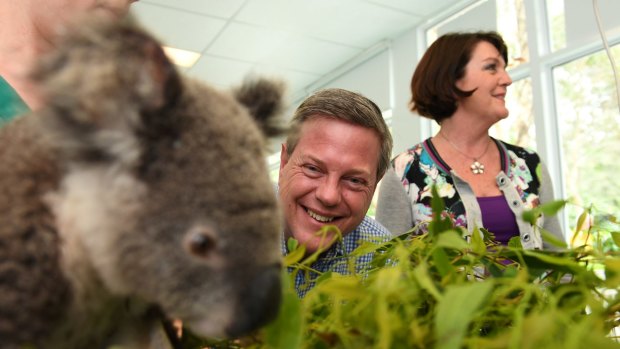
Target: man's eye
[356,181]
[311,170]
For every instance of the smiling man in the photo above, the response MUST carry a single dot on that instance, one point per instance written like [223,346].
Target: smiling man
[338,150]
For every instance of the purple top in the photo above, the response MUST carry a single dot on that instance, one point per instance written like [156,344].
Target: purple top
[498,218]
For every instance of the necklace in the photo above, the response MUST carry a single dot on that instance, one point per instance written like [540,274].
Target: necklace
[476,167]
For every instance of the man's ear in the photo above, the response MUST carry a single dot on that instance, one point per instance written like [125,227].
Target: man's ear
[283,156]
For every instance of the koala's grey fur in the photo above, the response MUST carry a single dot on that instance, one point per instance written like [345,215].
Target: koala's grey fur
[136,192]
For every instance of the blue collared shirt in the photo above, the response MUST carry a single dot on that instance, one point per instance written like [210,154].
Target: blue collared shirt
[336,260]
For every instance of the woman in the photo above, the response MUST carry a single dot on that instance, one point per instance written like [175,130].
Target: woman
[461,83]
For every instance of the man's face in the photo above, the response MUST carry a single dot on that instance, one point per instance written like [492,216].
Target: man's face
[329,179]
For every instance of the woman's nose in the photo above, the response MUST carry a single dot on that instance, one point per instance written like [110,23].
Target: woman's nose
[506,80]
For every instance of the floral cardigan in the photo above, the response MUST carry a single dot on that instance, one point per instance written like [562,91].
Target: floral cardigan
[405,192]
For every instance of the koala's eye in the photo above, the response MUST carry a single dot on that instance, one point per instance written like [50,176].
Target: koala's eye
[200,243]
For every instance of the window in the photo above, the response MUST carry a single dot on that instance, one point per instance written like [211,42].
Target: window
[507,17]
[574,23]
[588,116]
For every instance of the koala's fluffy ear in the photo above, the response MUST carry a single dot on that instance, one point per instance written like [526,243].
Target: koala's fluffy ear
[264,100]
[106,83]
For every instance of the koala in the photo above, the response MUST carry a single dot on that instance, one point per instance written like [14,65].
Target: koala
[135,195]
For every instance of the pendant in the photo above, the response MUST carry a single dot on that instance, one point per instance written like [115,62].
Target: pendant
[477,168]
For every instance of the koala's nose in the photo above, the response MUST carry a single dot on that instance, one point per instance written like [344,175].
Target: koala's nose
[260,302]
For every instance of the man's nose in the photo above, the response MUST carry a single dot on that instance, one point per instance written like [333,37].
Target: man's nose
[328,192]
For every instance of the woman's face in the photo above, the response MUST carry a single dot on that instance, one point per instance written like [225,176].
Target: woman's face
[486,74]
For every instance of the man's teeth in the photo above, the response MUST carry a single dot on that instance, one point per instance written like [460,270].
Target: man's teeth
[320,218]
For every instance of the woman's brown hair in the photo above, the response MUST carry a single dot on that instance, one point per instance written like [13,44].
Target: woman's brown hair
[433,86]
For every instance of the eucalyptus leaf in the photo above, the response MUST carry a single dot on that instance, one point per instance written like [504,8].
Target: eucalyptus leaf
[552,239]
[442,262]
[285,332]
[552,208]
[452,239]
[292,244]
[579,227]
[615,236]
[530,216]
[456,311]
[477,242]
[423,278]
[294,256]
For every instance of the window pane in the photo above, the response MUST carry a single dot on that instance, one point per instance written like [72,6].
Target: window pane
[588,120]
[511,25]
[507,17]
[573,23]
[557,26]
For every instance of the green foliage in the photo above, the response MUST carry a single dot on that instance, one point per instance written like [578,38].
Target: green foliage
[438,290]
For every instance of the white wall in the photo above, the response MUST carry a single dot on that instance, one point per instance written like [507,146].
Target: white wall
[481,17]
[580,20]
[384,77]
[371,78]
[407,127]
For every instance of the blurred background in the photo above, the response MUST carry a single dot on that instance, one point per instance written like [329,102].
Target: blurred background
[563,102]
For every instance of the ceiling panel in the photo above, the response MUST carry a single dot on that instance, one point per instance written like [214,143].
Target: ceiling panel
[310,55]
[219,71]
[280,48]
[247,42]
[348,22]
[419,8]
[301,41]
[295,81]
[217,8]
[180,29]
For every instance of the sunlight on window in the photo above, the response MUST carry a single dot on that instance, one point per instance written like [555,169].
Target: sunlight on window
[588,118]
[509,21]
[557,24]
[511,25]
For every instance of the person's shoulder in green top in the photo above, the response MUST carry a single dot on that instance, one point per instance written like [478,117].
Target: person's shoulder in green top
[11,105]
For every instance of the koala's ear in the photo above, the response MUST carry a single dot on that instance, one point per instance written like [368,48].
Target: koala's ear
[264,100]
[106,84]
[159,74]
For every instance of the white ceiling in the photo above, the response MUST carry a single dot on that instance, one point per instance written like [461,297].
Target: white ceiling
[299,41]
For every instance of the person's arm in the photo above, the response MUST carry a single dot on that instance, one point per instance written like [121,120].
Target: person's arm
[552,223]
[393,205]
